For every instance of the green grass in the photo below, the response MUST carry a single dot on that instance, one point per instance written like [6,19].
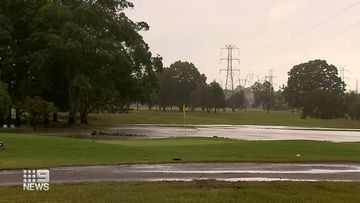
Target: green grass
[196,191]
[252,117]
[29,151]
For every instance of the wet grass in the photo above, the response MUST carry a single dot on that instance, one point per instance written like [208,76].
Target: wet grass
[30,151]
[251,117]
[196,191]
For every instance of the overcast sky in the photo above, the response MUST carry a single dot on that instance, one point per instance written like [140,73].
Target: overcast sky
[271,34]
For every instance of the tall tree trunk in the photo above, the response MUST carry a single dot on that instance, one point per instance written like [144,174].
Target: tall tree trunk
[84,118]
[2,120]
[17,117]
[74,102]
[71,119]
[55,117]
[46,119]
[9,118]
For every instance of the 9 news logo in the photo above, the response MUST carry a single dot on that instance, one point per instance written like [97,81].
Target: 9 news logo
[36,180]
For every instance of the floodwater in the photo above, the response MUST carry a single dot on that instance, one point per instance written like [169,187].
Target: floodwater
[243,132]
[197,171]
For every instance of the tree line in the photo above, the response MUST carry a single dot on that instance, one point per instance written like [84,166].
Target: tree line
[78,55]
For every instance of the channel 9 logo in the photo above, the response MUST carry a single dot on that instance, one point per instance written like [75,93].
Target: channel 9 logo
[36,180]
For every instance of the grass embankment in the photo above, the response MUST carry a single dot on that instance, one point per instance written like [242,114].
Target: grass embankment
[196,191]
[29,151]
[252,117]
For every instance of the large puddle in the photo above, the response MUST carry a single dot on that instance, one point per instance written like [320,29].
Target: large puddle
[242,132]
[197,171]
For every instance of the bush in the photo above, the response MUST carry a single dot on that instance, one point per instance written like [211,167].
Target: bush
[38,110]
[354,111]
[323,104]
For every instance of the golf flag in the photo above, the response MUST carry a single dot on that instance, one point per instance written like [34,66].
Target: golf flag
[184,112]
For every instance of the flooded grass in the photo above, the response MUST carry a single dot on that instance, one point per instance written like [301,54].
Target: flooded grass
[251,117]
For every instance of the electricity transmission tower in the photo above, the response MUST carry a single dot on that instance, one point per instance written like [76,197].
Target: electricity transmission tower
[357,86]
[343,71]
[270,77]
[230,70]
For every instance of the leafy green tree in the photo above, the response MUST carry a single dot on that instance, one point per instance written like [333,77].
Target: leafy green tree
[217,96]
[257,89]
[307,77]
[264,95]
[167,91]
[80,54]
[201,97]
[5,102]
[18,63]
[280,100]
[37,110]
[177,82]
[268,96]
[237,100]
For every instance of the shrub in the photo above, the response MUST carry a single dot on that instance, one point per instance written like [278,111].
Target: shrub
[354,111]
[38,110]
[323,104]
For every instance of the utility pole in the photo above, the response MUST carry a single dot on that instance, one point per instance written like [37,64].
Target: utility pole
[229,69]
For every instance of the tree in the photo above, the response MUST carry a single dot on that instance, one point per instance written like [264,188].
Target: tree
[268,96]
[280,102]
[217,96]
[264,95]
[38,110]
[5,102]
[177,82]
[237,100]
[17,43]
[201,97]
[167,90]
[80,54]
[323,104]
[307,77]
[257,88]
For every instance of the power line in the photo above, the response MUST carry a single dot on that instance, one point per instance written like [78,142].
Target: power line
[333,16]
[346,29]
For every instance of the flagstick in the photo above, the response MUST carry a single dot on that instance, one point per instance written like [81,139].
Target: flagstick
[184,112]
